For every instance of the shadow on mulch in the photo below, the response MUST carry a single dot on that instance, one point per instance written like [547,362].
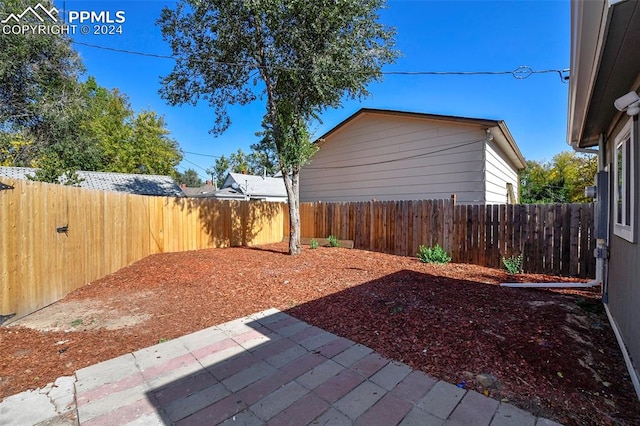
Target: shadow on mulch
[552,354]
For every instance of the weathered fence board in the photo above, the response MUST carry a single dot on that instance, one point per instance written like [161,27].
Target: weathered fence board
[107,231]
[553,239]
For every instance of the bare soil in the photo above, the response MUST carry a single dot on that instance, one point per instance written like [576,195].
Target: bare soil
[552,353]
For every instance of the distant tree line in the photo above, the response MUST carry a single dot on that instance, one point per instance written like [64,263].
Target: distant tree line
[561,180]
[254,163]
[55,119]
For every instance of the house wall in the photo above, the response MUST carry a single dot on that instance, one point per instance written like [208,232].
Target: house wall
[624,268]
[382,157]
[497,174]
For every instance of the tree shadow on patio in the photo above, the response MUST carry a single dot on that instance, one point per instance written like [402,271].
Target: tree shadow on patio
[536,344]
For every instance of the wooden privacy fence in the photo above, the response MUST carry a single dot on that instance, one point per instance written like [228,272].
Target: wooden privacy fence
[553,239]
[55,239]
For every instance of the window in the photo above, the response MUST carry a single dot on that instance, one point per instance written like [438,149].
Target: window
[624,185]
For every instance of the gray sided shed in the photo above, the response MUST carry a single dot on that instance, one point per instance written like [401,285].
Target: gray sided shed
[605,65]
[395,155]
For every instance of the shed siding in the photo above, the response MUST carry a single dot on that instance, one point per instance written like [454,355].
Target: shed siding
[397,158]
[498,174]
[624,269]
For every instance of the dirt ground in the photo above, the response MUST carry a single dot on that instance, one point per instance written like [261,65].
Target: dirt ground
[552,353]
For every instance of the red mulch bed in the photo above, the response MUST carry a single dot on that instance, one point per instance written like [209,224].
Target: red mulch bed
[552,353]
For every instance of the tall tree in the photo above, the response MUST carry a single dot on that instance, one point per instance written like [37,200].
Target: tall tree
[240,162]
[49,120]
[39,95]
[237,162]
[190,178]
[219,170]
[308,56]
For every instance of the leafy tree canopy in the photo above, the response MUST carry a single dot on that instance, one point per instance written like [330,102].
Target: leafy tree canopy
[254,163]
[190,178]
[561,180]
[301,57]
[51,120]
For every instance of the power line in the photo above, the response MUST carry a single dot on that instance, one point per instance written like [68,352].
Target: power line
[197,165]
[184,169]
[130,52]
[425,154]
[520,73]
[201,155]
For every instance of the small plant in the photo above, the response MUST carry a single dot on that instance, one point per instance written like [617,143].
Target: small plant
[314,244]
[396,309]
[162,340]
[434,254]
[333,241]
[513,264]
[76,322]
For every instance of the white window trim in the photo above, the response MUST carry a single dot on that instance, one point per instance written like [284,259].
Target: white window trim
[621,229]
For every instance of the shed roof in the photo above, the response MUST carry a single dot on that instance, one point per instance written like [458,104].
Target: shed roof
[119,182]
[498,128]
[205,190]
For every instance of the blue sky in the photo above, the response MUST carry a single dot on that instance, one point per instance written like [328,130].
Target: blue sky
[432,36]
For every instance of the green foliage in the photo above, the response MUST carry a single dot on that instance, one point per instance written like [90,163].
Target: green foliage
[314,244]
[149,150]
[101,133]
[301,57]
[39,98]
[219,170]
[562,180]
[396,309]
[240,162]
[37,76]
[333,241]
[50,120]
[263,154]
[513,264]
[237,162]
[435,254]
[190,178]
[52,170]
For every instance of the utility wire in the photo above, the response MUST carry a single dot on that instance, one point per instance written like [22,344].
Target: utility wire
[184,169]
[520,73]
[130,52]
[197,165]
[425,154]
[201,155]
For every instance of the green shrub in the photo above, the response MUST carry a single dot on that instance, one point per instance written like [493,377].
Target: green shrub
[513,263]
[314,244]
[333,241]
[434,254]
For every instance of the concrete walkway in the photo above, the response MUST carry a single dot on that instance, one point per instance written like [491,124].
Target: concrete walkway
[267,368]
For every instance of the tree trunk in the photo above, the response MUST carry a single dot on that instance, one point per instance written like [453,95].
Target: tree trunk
[292,185]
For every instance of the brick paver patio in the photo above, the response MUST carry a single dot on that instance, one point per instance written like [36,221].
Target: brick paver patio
[270,368]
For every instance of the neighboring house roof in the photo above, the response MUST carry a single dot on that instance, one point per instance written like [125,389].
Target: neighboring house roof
[229,194]
[498,128]
[604,65]
[105,181]
[206,190]
[255,186]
